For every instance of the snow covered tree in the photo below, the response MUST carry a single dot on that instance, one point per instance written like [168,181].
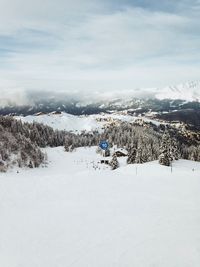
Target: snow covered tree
[174,150]
[164,157]
[131,156]
[114,162]
[139,152]
[30,165]
[193,153]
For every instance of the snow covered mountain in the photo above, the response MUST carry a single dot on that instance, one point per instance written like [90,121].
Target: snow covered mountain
[189,92]
[155,99]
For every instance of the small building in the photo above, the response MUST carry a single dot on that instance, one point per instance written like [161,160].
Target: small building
[120,153]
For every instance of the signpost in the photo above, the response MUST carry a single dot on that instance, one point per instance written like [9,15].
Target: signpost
[104,145]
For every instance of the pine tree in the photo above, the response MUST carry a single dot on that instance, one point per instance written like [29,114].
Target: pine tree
[164,157]
[30,165]
[174,150]
[114,162]
[131,156]
[139,152]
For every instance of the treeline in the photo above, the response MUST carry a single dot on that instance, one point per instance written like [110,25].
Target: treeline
[20,143]
[16,149]
[144,143]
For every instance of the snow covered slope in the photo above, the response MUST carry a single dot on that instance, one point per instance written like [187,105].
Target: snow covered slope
[64,121]
[189,91]
[71,214]
[74,123]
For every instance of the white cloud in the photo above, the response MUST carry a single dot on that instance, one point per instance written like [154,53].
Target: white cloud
[77,45]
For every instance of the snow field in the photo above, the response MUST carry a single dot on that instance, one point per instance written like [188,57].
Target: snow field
[70,214]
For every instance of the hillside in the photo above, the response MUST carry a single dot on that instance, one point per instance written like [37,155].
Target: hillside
[70,214]
[22,138]
[187,116]
[20,143]
[68,122]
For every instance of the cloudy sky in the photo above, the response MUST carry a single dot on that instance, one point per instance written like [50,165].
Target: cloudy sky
[98,44]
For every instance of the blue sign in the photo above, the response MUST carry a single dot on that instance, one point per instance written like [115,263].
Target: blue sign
[104,145]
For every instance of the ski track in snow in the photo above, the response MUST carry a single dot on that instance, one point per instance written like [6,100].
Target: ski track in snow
[71,215]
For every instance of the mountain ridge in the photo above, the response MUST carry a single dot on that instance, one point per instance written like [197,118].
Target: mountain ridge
[167,99]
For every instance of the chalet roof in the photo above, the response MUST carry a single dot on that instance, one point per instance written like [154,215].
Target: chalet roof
[122,150]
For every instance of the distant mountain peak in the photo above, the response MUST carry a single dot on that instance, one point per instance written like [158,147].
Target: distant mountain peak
[189,91]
